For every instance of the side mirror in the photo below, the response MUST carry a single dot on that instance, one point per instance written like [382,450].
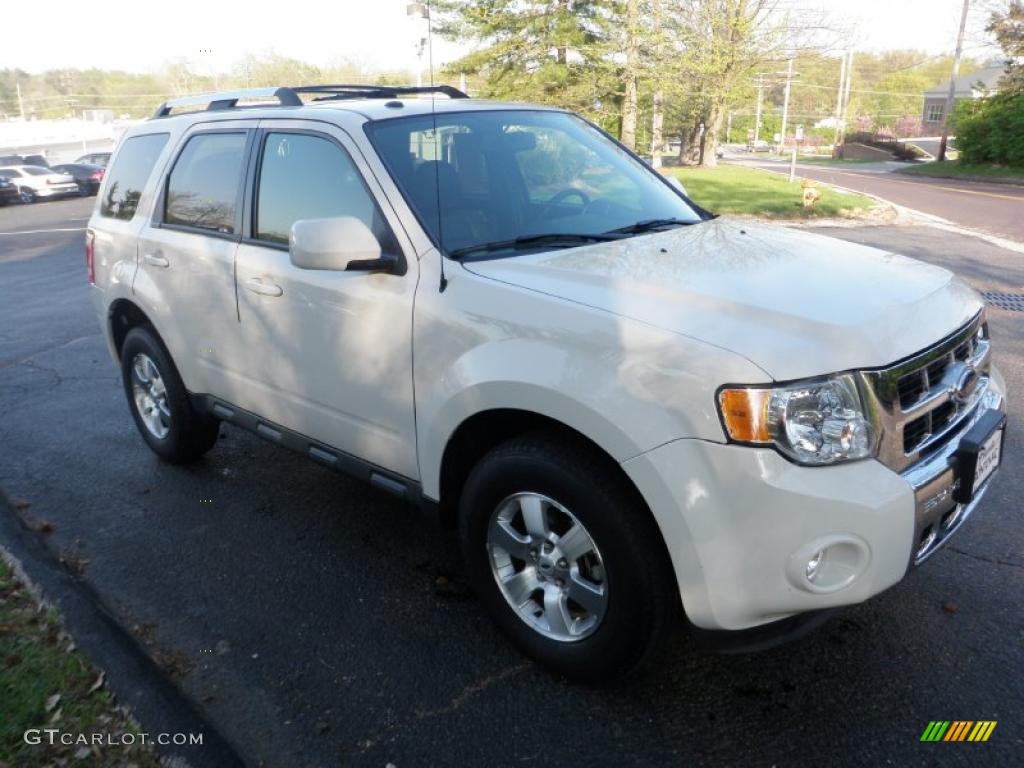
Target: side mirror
[673,181]
[338,244]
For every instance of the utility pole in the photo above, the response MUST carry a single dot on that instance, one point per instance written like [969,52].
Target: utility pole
[845,101]
[420,13]
[658,114]
[952,83]
[839,98]
[760,101]
[657,128]
[785,102]
[21,104]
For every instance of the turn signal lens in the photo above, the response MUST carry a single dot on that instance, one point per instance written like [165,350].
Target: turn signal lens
[745,413]
[90,255]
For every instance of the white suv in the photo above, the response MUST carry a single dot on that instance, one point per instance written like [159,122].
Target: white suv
[625,404]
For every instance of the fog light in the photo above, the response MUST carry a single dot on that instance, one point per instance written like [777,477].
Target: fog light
[814,564]
[828,563]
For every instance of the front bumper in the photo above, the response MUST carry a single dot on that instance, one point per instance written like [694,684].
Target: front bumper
[741,524]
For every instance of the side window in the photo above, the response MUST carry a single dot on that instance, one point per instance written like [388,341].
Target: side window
[128,177]
[310,177]
[203,187]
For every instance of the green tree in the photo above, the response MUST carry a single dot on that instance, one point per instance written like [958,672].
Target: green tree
[1008,29]
[551,52]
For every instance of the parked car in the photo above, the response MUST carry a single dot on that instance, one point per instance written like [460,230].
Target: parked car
[87,177]
[11,160]
[625,404]
[95,158]
[39,160]
[34,182]
[8,192]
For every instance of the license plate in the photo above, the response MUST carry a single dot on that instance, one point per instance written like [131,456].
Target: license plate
[988,459]
[979,454]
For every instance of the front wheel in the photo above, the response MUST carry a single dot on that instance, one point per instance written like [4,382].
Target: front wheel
[566,558]
[159,402]
[26,195]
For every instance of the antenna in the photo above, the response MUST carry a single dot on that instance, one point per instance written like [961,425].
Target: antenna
[437,138]
[424,12]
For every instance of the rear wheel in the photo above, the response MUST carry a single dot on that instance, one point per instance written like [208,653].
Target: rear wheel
[566,558]
[168,423]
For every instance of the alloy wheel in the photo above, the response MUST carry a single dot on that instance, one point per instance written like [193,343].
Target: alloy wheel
[150,396]
[547,567]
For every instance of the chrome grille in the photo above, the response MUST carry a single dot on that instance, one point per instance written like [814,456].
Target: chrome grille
[920,404]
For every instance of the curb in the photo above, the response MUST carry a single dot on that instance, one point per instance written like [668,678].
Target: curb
[131,675]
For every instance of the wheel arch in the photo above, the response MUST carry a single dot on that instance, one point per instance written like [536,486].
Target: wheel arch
[122,316]
[484,430]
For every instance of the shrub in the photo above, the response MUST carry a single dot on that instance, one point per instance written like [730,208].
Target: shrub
[991,130]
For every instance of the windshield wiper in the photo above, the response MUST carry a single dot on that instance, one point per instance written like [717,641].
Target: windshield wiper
[648,225]
[560,240]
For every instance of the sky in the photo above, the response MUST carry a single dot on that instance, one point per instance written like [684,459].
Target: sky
[213,34]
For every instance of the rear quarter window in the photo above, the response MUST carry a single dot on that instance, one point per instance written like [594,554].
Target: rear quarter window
[129,174]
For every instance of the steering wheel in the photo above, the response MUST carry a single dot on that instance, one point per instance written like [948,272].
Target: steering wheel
[560,196]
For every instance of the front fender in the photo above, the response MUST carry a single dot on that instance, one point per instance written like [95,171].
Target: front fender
[628,387]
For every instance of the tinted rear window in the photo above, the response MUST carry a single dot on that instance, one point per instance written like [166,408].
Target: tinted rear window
[130,173]
[203,188]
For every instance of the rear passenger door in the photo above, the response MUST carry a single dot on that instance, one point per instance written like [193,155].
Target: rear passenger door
[335,360]
[187,255]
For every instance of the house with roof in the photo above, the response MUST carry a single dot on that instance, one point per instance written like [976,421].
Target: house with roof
[977,85]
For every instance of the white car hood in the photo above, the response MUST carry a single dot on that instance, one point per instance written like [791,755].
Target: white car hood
[793,303]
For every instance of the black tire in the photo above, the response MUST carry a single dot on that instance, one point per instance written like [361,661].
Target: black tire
[27,195]
[189,434]
[642,605]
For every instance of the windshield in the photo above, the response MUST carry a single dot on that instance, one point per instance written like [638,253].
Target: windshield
[493,177]
[32,170]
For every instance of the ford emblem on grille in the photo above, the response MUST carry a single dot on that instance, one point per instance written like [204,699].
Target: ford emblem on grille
[965,383]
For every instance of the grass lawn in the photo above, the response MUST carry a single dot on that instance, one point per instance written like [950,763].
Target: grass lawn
[45,683]
[738,190]
[958,170]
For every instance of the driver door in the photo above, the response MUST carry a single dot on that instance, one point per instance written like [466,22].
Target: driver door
[330,351]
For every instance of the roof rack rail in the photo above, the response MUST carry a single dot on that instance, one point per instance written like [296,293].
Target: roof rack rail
[289,97]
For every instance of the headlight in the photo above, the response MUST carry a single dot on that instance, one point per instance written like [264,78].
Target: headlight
[814,422]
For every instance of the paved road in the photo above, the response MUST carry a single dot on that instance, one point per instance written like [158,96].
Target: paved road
[341,630]
[996,209]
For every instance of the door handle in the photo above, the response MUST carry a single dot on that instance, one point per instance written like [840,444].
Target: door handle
[256,285]
[156,259]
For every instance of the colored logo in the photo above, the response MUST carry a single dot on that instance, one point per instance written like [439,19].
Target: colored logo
[958,730]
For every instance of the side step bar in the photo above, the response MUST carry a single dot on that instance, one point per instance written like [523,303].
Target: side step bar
[396,485]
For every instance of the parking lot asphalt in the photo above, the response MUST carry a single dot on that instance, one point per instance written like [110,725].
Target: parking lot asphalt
[317,622]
